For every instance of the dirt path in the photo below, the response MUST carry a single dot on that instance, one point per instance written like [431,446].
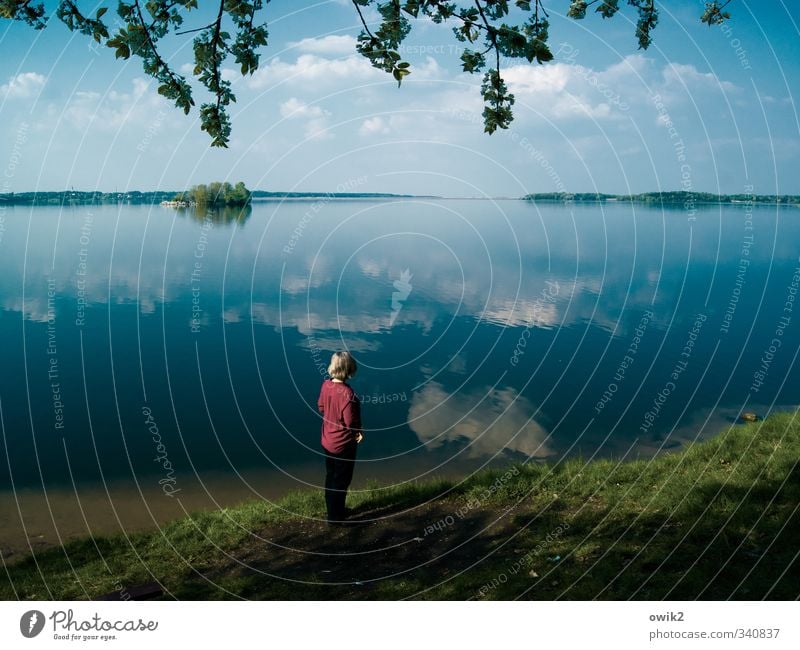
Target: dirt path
[307,559]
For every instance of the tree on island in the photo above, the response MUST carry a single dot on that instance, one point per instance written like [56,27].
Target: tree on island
[235,31]
[216,195]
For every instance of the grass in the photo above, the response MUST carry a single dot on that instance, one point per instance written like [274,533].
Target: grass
[716,520]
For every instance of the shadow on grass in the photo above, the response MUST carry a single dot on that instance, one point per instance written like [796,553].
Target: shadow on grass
[384,552]
[723,541]
[717,521]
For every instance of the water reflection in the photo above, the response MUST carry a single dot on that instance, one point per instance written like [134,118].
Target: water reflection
[490,421]
[219,215]
[501,324]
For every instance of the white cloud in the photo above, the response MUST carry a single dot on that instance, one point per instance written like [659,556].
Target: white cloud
[428,70]
[372,268]
[489,420]
[567,90]
[232,315]
[25,84]
[310,68]
[320,71]
[331,44]
[373,126]
[334,343]
[563,90]
[294,108]
[316,117]
[34,309]
[689,75]
[231,74]
[141,106]
[426,126]
[523,311]
[534,79]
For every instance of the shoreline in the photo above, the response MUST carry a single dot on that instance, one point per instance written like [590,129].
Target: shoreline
[158,197]
[67,512]
[634,529]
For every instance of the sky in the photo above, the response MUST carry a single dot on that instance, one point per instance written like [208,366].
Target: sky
[704,108]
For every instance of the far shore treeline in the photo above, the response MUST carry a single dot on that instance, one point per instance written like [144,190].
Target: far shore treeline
[222,194]
[75,197]
[665,198]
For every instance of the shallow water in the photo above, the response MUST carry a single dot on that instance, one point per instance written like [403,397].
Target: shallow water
[151,349]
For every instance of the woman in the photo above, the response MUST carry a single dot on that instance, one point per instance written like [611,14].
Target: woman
[341,432]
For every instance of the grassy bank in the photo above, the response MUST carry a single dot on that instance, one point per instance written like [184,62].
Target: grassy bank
[716,520]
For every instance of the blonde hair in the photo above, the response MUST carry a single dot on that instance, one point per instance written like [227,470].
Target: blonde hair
[342,365]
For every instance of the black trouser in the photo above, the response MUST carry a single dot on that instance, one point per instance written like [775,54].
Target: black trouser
[337,479]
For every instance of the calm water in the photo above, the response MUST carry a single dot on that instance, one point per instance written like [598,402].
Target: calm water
[145,347]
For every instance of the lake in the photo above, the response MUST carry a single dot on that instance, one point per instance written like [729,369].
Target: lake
[156,360]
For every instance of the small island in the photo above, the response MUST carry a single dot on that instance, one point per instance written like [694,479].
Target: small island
[212,195]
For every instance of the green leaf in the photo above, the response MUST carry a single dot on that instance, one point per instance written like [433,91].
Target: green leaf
[472,61]
[399,73]
[472,21]
[577,9]
[123,51]
[608,8]
[713,14]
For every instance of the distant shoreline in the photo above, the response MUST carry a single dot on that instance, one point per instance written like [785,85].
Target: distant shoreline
[667,198]
[136,197]
[70,197]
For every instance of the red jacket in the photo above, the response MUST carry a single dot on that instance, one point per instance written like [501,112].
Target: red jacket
[341,415]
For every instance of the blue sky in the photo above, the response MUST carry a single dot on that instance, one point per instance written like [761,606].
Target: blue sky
[707,109]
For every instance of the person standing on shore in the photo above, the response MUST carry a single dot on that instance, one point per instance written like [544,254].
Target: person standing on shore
[341,432]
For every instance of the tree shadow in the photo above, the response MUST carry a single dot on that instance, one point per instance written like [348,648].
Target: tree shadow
[723,541]
[312,561]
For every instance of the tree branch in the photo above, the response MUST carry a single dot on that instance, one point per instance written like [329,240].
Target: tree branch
[159,61]
[215,51]
[363,22]
[491,33]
